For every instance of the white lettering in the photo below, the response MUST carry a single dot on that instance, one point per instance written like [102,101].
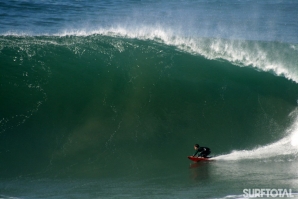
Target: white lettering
[257,193]
[262,192]
[268,191]
[273,195]
[245,193]
[290,194]
[283,193]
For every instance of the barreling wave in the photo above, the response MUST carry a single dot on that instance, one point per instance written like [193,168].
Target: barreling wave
[76,99]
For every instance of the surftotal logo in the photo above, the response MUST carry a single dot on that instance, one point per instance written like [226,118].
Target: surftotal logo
[269,193]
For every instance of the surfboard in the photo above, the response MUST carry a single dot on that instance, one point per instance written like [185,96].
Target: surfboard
[198,159]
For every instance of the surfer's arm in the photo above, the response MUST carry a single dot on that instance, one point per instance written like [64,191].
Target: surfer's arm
[195,153]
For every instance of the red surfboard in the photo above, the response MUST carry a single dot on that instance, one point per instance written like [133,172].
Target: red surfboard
[198,159]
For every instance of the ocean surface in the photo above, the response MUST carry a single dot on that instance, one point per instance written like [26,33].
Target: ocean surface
[105,99]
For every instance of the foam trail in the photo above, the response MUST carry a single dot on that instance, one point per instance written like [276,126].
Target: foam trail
[284,149]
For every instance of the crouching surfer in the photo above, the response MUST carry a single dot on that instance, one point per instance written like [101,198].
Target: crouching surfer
[201,151]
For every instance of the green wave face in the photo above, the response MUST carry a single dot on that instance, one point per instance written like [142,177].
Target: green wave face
[84,105]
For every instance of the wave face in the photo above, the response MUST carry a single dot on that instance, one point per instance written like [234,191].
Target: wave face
[79,104]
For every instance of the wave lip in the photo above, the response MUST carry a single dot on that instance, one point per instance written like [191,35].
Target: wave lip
[278,58]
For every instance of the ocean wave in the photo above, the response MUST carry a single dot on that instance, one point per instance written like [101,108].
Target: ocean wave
[114,92]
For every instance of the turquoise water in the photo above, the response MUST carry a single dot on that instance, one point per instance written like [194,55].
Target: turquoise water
[113,108]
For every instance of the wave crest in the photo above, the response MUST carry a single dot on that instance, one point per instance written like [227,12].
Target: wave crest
[278,58]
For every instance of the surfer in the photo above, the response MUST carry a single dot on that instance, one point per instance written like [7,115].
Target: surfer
[204,151]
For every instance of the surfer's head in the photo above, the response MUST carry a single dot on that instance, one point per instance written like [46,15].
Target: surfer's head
[196,146]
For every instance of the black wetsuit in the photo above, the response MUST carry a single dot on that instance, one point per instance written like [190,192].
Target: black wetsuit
[204,151]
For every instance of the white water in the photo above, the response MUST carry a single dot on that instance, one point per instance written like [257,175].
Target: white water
[285,149]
